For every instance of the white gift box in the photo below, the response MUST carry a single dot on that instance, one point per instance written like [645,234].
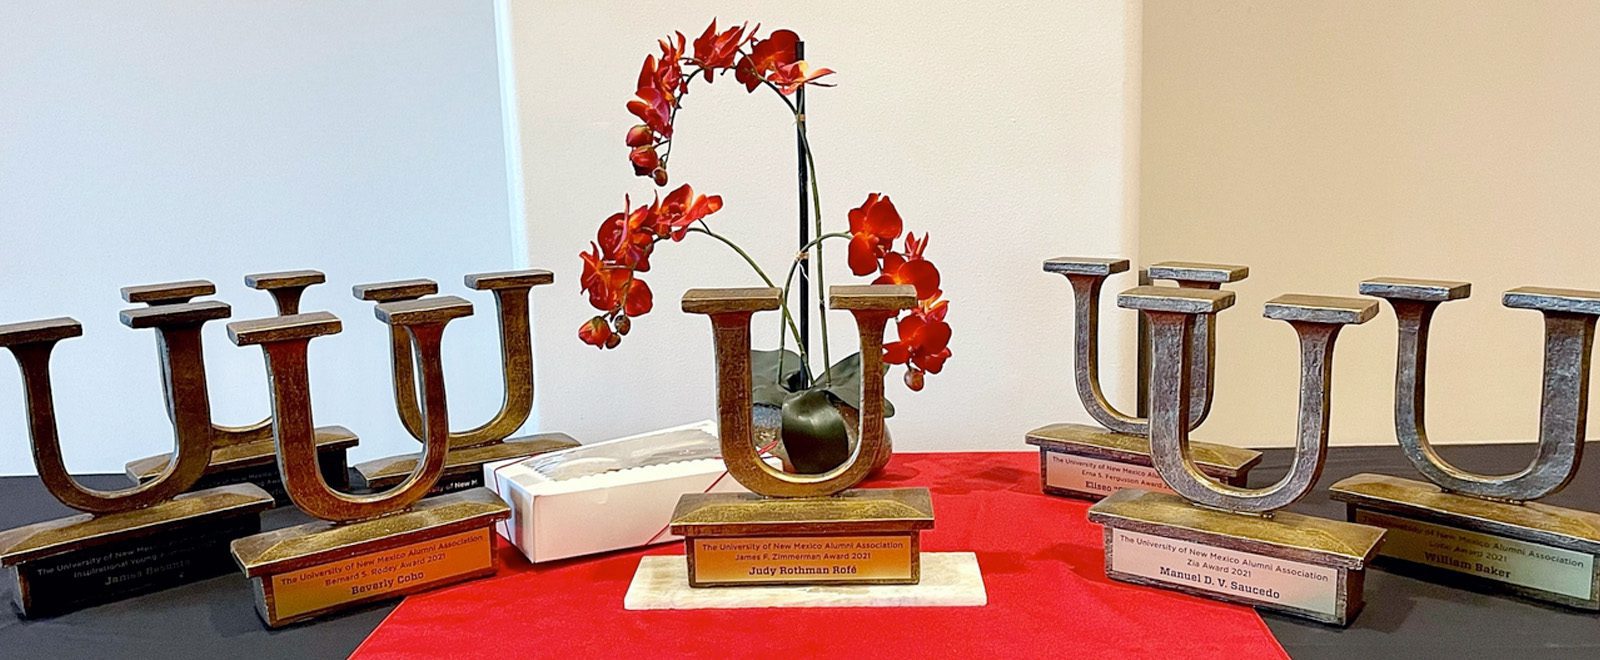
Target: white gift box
[555,517]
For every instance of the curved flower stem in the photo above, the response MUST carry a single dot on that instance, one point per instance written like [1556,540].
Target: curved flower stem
[788,281]
[788,318]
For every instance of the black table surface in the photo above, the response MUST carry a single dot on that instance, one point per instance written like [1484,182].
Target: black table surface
[1404,617]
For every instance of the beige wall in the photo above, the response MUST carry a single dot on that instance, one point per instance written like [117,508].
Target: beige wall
[1322,143]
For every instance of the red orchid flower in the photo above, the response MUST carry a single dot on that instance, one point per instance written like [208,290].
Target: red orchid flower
[653,108]
[873,227]
[627,238]
[924,342]
[636,297]
[778,49]
[910,268]
[601,280]
[790,77]
[716,50]
[683,208]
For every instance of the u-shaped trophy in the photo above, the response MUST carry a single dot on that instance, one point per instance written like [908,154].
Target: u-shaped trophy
[140,539]
[490,442]
[1229,542]
[1487,531]
[245,454]
[370,547]
[800,528]
[1091,462]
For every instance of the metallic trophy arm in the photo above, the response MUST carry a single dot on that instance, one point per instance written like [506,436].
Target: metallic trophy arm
[1316,319]
[511,291]
[730,311]
[178,331]
[286,289]
[284,341]
[402,368]
[1569,324]
[1087,275]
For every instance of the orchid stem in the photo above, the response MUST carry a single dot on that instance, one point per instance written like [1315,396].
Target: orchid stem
[788,318]
[788,281]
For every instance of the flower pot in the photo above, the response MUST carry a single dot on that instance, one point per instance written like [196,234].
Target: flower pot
[823,456]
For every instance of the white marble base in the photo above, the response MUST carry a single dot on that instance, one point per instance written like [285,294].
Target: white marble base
[949,579]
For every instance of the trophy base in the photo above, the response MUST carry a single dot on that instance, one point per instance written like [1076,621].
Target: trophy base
[1088,462]
[463,467]
[862,536]
[300,573]
[257,463]
[1308,567]
[1532,550]
[62,565]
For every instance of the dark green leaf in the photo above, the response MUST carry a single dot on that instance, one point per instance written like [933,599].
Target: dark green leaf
[814,433]
[774,375]
[843,380]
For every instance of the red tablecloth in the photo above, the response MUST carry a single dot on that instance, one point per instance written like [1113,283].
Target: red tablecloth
[1043,565]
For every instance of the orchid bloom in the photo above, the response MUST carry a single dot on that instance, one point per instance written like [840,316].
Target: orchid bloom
[924,342]
[778,49]
[873,227]
[716,50]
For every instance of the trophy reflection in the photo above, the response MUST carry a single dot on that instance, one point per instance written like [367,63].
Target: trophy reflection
[470,450]
[245,454]
[1090,462]
[1482,530]
[1229,542]
[871,536]
[363,548]
[135,540]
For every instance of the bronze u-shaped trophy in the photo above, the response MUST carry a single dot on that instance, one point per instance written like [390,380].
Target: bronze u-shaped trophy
[1479,530]
[139,539]
[245,454]
[800,528]
[1089,462]
[372,547]
[490,442]
[1230,542]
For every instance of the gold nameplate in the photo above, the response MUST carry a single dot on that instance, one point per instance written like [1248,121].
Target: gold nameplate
[867,559]
[407,568]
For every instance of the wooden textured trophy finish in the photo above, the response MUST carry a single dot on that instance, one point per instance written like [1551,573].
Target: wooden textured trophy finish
[140,539]
[367,547]
[800,529]
[1480,530]
[491,441]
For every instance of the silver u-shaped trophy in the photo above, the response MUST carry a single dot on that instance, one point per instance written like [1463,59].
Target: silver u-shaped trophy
[490,442]
[245,454]
[1090,462]
[150,536]
[1487,531]
[365,547]
[1229,542]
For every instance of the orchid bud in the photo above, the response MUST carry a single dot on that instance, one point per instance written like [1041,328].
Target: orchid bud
[640,136]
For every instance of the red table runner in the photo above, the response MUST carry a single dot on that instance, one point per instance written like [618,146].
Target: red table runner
[1043,566]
